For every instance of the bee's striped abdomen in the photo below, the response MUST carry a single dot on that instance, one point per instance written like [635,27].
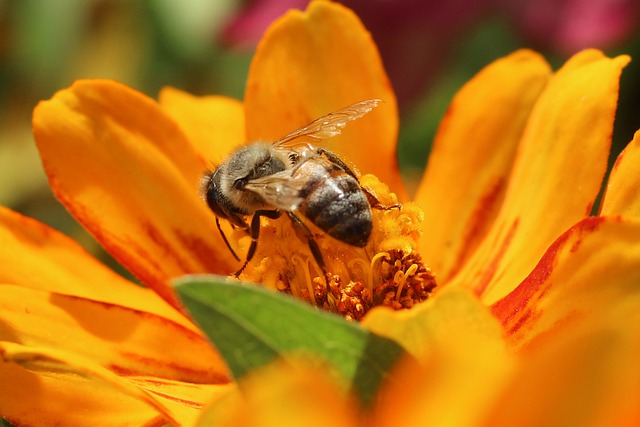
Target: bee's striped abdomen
[335,202]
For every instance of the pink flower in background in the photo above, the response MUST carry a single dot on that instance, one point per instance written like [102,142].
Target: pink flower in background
[416,37]
[566,26]
[247,27]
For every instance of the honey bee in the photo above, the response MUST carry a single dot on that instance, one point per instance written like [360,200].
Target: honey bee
[290,175]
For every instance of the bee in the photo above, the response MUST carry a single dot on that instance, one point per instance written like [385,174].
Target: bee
[291,175]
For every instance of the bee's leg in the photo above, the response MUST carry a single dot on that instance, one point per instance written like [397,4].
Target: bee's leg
[226,242]
[375,203]
[373,200]
[255,233]
[336,161]
[304,232]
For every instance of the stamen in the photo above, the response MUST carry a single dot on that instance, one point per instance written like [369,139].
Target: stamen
[304,263]
[376,258]
[388,271]
[399,279]
[366,272]
[405,281]
[403,278]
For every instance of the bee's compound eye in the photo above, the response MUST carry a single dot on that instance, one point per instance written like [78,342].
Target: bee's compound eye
[239,183]
[215,199]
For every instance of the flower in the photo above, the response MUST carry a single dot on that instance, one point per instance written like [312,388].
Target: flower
[528,281]
[570,25]
[73,335]
[416,37]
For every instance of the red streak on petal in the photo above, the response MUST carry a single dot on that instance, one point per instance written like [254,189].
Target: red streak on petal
[125,250]
[204,253]
[165,247]
[135,258]
[185,402]
[518,309]
[586,226]
[479,221]
[491,267]
[208,376]
[196,376]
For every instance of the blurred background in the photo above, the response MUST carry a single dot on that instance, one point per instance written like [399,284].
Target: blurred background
[429,47]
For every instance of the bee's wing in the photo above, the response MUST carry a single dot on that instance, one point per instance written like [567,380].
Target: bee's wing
[279,190]
[331,124]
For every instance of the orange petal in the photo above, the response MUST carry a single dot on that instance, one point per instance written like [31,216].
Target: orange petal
[213,124]
[42,258]
[58,384]
[452,390]
[587,375]
[556,176]
[124,169]
[452,316]
[184,401]
[473,152]
[622,196]
[284,395]
[589,269]
[47,383]
[462,352]
[311,63]
[119,338]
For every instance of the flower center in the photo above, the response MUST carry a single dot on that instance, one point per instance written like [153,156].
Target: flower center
[387,271]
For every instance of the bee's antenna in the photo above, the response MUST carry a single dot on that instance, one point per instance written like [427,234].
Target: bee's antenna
[226,241]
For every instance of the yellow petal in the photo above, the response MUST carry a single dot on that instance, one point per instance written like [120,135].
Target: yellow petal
[473,152]
[213,124]
[556,176]
[124,169]
[586,375]
[42,258]
[311,63]
[284,394]
[185,401]
[460,351]
[451,316]
[122,339]
[622,196]
[58,388]
[589,269]
[459,348]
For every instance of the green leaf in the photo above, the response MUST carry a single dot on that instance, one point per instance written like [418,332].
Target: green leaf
[252,326]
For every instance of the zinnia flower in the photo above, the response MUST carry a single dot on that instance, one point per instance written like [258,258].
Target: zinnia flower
[416,37]
[534,319]
[570,25]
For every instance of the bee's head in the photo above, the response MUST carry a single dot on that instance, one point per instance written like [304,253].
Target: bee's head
[215,193]
[224,188]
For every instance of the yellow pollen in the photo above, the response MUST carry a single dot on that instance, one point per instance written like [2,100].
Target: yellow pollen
[388,271]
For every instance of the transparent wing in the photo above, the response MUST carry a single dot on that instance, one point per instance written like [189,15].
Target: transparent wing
[331,124]
[279,190]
